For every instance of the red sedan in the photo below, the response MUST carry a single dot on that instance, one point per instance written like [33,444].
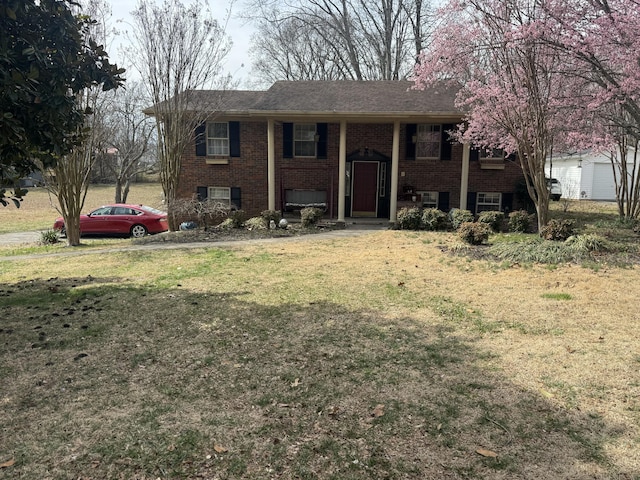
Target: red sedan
[120,219]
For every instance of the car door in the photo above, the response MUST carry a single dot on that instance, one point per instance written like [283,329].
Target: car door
[96,221]
[122,220]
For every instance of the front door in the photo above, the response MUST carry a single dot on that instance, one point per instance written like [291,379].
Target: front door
[364,191]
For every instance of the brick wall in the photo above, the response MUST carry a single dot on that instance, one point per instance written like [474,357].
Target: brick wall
[249,171]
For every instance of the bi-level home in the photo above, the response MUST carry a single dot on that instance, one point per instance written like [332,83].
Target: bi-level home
[355,149]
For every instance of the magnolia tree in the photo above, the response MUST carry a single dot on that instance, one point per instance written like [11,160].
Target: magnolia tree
[509,80]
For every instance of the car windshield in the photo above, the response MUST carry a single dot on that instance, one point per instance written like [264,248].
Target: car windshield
[151,210]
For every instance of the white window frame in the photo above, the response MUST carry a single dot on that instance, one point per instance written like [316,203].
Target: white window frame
[219,194]
[432,199]
[304,134]
[492,154]
[428,134]
[217,145]
[486,201]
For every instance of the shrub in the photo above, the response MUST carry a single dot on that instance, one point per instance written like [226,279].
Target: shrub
[409,218]
[520,221]
[493,219]
[49,237]
[458,217]
[474,233]
[589,243]
[226,224]
[434,219]
[255,223]
[238,217]
[557,230]
[310,216]
[269,215]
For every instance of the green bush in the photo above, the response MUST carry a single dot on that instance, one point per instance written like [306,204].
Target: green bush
[269,215]
[493,219]
[458,217]
[474,233]
[49,237]
[589,243]
[310,216]
[521,221]
[238,217]
[409,218]
[434,219]
[557,230]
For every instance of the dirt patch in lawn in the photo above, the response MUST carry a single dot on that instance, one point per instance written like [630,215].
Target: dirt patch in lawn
[377,356]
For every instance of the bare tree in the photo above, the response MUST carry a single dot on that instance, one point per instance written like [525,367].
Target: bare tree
[69,179]
[344,39]
[130,139]
[178,48]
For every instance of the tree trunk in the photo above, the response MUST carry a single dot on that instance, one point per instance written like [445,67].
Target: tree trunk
[118,197]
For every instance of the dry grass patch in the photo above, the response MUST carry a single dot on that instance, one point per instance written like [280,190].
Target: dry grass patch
[38,209]
[372,357]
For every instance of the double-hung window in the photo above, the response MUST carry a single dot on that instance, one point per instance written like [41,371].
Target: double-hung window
[220,195]
[428,138]
[218,138]
[488,201]
[304,140]
[429,199]
[491,154]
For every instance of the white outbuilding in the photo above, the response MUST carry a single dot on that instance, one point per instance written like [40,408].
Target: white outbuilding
[585,175]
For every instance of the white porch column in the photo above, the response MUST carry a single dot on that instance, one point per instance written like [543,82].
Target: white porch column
[464,181]
[271,164]
[342,170]
[395,160]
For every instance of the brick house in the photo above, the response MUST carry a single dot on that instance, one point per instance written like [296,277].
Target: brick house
[357,149]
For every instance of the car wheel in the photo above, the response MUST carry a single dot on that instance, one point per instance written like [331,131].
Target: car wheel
[138,231]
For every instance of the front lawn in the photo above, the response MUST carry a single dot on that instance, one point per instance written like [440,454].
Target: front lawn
[376,356]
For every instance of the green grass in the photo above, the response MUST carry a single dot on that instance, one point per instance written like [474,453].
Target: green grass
[557,296]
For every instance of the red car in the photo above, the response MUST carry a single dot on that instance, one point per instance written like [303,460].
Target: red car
[120,219]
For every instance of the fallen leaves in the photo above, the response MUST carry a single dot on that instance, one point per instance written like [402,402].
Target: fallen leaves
[378,411]
[8,463]
[486,453]
[220,449]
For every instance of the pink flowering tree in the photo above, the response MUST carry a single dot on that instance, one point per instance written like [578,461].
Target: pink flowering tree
[513,82]
[603,39]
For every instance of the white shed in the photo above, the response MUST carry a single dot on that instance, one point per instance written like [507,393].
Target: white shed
[584,175]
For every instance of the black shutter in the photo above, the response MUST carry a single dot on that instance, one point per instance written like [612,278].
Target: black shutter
[443,201]
[201,140]
[411,147]
[321,130]
[474,155]
[471,202]
[445,143]
[287,140]
[234,139]
[203,193]
[235,197]
[507,202]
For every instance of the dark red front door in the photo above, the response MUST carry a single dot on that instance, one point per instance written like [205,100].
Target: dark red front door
[364,192]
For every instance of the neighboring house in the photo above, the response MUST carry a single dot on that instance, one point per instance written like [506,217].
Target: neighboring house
[585,175]
[356,149]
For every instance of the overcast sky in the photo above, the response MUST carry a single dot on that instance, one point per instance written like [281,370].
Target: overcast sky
[239,33]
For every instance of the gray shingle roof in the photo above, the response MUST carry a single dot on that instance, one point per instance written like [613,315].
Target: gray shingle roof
[346,97]
[341,97]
